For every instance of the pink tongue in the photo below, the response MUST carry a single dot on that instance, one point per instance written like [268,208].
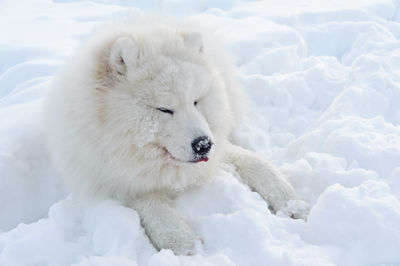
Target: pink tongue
[202,160]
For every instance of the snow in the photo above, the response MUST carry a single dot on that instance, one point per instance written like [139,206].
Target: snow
[371,200]
[323,86]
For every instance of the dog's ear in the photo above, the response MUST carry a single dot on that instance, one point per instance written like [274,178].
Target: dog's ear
[124,56]
[193,40]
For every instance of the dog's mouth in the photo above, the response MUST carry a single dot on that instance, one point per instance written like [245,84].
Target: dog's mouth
[203,159]
[196,160]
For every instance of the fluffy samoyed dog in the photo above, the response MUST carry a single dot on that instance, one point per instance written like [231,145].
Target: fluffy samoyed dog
[143,111]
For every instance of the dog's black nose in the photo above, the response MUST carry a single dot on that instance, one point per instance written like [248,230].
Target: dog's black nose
[202,145]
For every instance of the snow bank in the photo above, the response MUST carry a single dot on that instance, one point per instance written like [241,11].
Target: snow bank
[369,215]
[323,85]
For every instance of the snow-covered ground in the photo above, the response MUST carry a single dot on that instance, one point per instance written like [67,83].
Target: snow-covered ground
[323,82]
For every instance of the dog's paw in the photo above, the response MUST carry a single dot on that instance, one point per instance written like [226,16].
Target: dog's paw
[183,243]
[181,240]
[296,209]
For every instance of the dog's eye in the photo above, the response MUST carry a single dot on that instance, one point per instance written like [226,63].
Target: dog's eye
[165,110]
[195,103]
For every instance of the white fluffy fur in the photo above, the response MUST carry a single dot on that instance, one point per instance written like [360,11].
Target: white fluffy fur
[109,140]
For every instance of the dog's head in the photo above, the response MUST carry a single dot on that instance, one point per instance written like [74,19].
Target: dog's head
[159,92]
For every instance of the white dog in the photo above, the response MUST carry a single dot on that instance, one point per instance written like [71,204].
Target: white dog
[144,111]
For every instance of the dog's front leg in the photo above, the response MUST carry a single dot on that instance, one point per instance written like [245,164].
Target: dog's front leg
[265,179]
[163,224]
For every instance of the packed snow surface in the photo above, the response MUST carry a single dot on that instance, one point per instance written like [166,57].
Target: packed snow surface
[323,84]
